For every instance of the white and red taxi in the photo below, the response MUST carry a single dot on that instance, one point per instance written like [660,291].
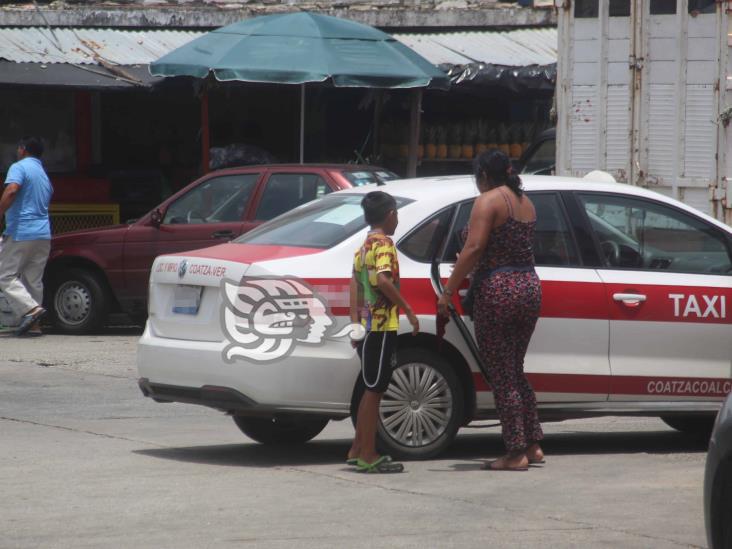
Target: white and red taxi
[636,313]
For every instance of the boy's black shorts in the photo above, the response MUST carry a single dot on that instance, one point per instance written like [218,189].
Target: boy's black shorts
[378,359]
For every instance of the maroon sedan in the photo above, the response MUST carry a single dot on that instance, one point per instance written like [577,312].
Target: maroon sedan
[94,272]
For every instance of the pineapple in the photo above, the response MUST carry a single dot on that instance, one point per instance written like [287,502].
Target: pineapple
[431,141]
[455,140]
[442,142]
[481,140]
[503,139]
[469,133]
[515,141]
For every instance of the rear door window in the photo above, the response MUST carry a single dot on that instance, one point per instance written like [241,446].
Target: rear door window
[553,242]
[423,242]
[321,224]
[286,191]
[221,199]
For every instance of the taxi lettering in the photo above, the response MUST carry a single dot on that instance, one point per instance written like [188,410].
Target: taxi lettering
[689,387]
[207,270]
[714,306]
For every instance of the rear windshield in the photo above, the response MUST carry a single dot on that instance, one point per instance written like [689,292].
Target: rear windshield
[367,177]
[320,224]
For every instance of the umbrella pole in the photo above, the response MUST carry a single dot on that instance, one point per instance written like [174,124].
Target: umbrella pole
[414,122]
[205,135]
[302,123]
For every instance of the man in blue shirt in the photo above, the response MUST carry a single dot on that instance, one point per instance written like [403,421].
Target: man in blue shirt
[26,241]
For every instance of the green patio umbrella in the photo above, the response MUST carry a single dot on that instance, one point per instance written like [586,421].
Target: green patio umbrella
[302,47]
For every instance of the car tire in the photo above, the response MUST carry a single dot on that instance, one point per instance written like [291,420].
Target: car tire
[281,431]
[425,423]
[691,425]
[79,302]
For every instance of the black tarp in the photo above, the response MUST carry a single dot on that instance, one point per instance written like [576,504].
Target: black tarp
[531,78]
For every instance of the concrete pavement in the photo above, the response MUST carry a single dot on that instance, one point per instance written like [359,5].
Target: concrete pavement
[86,461]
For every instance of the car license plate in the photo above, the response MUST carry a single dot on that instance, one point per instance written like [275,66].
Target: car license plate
[186,299]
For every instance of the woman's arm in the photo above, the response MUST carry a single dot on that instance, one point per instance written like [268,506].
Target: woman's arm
[481,223]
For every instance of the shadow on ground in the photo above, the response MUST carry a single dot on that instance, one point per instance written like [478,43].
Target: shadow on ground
[469,447]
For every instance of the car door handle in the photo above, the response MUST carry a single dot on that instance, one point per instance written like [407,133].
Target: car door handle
[222,234]
[630,300]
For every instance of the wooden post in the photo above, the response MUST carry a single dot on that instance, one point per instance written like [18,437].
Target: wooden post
[205,132]
[415,116]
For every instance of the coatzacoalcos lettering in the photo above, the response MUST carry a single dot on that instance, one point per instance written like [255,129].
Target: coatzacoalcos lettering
[688,387]
[207,270]
[196,269]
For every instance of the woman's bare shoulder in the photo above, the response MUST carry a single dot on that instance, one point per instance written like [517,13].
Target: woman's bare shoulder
[489,198]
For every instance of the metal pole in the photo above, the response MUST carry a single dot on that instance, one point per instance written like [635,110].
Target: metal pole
[205,129]
[302,123]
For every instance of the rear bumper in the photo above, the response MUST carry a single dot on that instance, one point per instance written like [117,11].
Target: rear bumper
[221,398]
[313,380]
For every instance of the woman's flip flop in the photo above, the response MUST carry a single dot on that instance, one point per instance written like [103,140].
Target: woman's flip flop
[489,467]
[382,465]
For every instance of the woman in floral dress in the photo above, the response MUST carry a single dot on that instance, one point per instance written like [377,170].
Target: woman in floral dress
[507,298]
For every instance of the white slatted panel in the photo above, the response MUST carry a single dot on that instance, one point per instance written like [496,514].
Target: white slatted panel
[662,122]
[700,132]
[696,197]
[618,129]
[584,129]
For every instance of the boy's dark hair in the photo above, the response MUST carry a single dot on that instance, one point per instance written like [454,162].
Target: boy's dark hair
[32,145]
[376,206]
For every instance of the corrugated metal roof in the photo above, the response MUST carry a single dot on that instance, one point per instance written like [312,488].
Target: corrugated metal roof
[513,48]
[86,46]
[124,47]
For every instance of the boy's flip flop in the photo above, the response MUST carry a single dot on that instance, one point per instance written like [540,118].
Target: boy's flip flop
[354,461]
[382,465]
[28,321]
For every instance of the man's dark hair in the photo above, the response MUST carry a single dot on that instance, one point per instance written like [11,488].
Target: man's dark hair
[32,145]
[376,206]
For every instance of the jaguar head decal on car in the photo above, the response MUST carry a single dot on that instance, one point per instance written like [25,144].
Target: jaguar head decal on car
[265,318]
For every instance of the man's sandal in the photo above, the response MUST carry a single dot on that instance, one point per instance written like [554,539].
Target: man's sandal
[382,465]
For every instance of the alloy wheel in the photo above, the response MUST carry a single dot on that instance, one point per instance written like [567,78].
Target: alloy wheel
[417,406]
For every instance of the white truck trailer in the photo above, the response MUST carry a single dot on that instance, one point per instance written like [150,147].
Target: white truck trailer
[644,92]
